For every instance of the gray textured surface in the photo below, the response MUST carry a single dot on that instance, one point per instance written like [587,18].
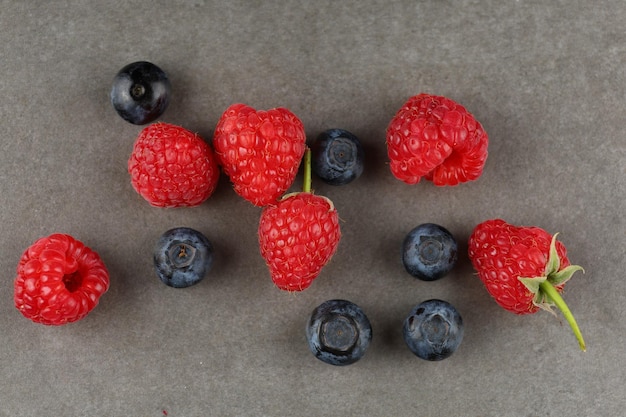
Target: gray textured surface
[546,79]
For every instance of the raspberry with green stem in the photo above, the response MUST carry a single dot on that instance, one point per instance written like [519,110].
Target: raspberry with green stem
[546,294]
[298,235]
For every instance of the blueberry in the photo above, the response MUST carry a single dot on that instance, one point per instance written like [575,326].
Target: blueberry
[429,252]
[433,330]
[140,92]
[337,157]
[182,257]
[338,332]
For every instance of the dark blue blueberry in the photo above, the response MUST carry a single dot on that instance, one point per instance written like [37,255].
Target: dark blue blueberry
[429,252]
[182,257]
[338,332]
[433,330]
[140,92]
[337,157]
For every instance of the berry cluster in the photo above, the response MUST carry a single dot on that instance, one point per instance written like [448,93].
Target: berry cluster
[261,152]
[338,331]
[60,280]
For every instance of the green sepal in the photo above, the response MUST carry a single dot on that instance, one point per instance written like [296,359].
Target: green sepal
[540,299]
[552,272]
[532,283]
[545,303]
[564,275]
[554,262]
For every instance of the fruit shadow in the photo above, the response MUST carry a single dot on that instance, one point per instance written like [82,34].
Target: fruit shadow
[481,315]
[375,163]
[224,191]
[225,261]
[128,280]
[387,331]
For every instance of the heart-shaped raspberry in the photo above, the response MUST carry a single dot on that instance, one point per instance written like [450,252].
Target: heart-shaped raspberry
[259,150]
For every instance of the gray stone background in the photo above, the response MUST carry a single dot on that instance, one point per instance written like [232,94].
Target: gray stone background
[547,81]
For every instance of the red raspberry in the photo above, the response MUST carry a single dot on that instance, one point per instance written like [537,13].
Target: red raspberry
[172,167]
[501,253]
[435,138]
[523,268]
[260,151]
[59,280]
[297,237]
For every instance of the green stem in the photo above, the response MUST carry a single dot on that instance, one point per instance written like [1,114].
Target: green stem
[554,295]
[306,186]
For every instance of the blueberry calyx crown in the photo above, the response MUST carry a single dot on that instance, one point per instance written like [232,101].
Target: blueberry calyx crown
[430,249]
[181,254]
[338,333]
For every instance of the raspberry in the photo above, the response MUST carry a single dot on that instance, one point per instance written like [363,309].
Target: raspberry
[59,280]
[172,167]
[438,139]
[524,268]
[260,151]
[297,237]
[501,253]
